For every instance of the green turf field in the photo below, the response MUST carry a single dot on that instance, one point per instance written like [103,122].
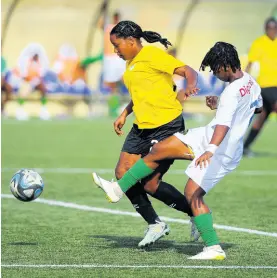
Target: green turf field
[76,241]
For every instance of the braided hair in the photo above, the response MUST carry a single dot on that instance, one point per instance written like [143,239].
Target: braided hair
[126,28]
[222,54]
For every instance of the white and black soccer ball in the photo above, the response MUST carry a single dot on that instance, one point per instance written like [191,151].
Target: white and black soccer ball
[26,185]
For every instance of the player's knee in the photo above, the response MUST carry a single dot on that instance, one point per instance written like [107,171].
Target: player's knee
[188,193]
[193,196]
[188,196]
[196,201]
[155,149]
[121,169]
[119,172]
[155,154]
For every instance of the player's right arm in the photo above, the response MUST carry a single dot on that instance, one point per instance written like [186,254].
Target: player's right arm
[223,119]
[120,121]
[164,62]
[191,76]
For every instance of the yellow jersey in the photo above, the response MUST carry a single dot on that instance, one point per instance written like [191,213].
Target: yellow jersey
[148,78]
[264,51]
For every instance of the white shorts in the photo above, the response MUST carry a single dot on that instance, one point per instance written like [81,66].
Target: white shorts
[207,177]
[113,68]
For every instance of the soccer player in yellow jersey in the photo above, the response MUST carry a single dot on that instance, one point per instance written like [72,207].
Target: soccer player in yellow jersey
[264,51]
[158,115]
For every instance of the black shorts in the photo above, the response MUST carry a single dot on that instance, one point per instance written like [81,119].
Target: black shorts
[139,141]
[269,98]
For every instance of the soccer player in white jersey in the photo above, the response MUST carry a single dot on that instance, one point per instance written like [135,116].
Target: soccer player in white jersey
[216,149]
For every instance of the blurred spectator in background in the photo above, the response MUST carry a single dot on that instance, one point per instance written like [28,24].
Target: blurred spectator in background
[113,67]
[5,87]
[31,67]
[71,71]
[66,65]
[264,51]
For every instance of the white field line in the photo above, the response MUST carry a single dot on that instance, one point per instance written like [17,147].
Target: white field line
[138,266]
[111,171]
[134,214]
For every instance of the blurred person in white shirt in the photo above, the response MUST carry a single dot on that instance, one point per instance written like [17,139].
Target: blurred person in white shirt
[31,67]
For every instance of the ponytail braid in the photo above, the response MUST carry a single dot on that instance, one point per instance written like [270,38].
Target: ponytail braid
[126,28]
[152,37]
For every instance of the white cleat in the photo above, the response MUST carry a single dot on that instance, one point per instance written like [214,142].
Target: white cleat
[214,252]
[154,233]
[194,234]
[112,189]
[44,114]
[21,114]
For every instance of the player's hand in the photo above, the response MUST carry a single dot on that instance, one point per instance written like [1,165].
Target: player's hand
[118,124]
[211,101]
[203,160]
[191,91]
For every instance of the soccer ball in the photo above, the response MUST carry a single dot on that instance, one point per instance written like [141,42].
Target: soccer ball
[26,185]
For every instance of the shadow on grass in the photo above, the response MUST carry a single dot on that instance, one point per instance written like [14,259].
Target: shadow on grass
[115,242]
[23,243]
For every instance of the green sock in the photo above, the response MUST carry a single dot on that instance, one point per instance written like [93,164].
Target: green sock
[43,100]
[138,171]
[204,224]
[114,104]
[20,101]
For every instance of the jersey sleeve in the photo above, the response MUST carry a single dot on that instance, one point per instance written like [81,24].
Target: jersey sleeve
[164,62]
[255,52]
[226,108]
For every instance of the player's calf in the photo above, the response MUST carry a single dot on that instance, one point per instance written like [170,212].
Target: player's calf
[204,223]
